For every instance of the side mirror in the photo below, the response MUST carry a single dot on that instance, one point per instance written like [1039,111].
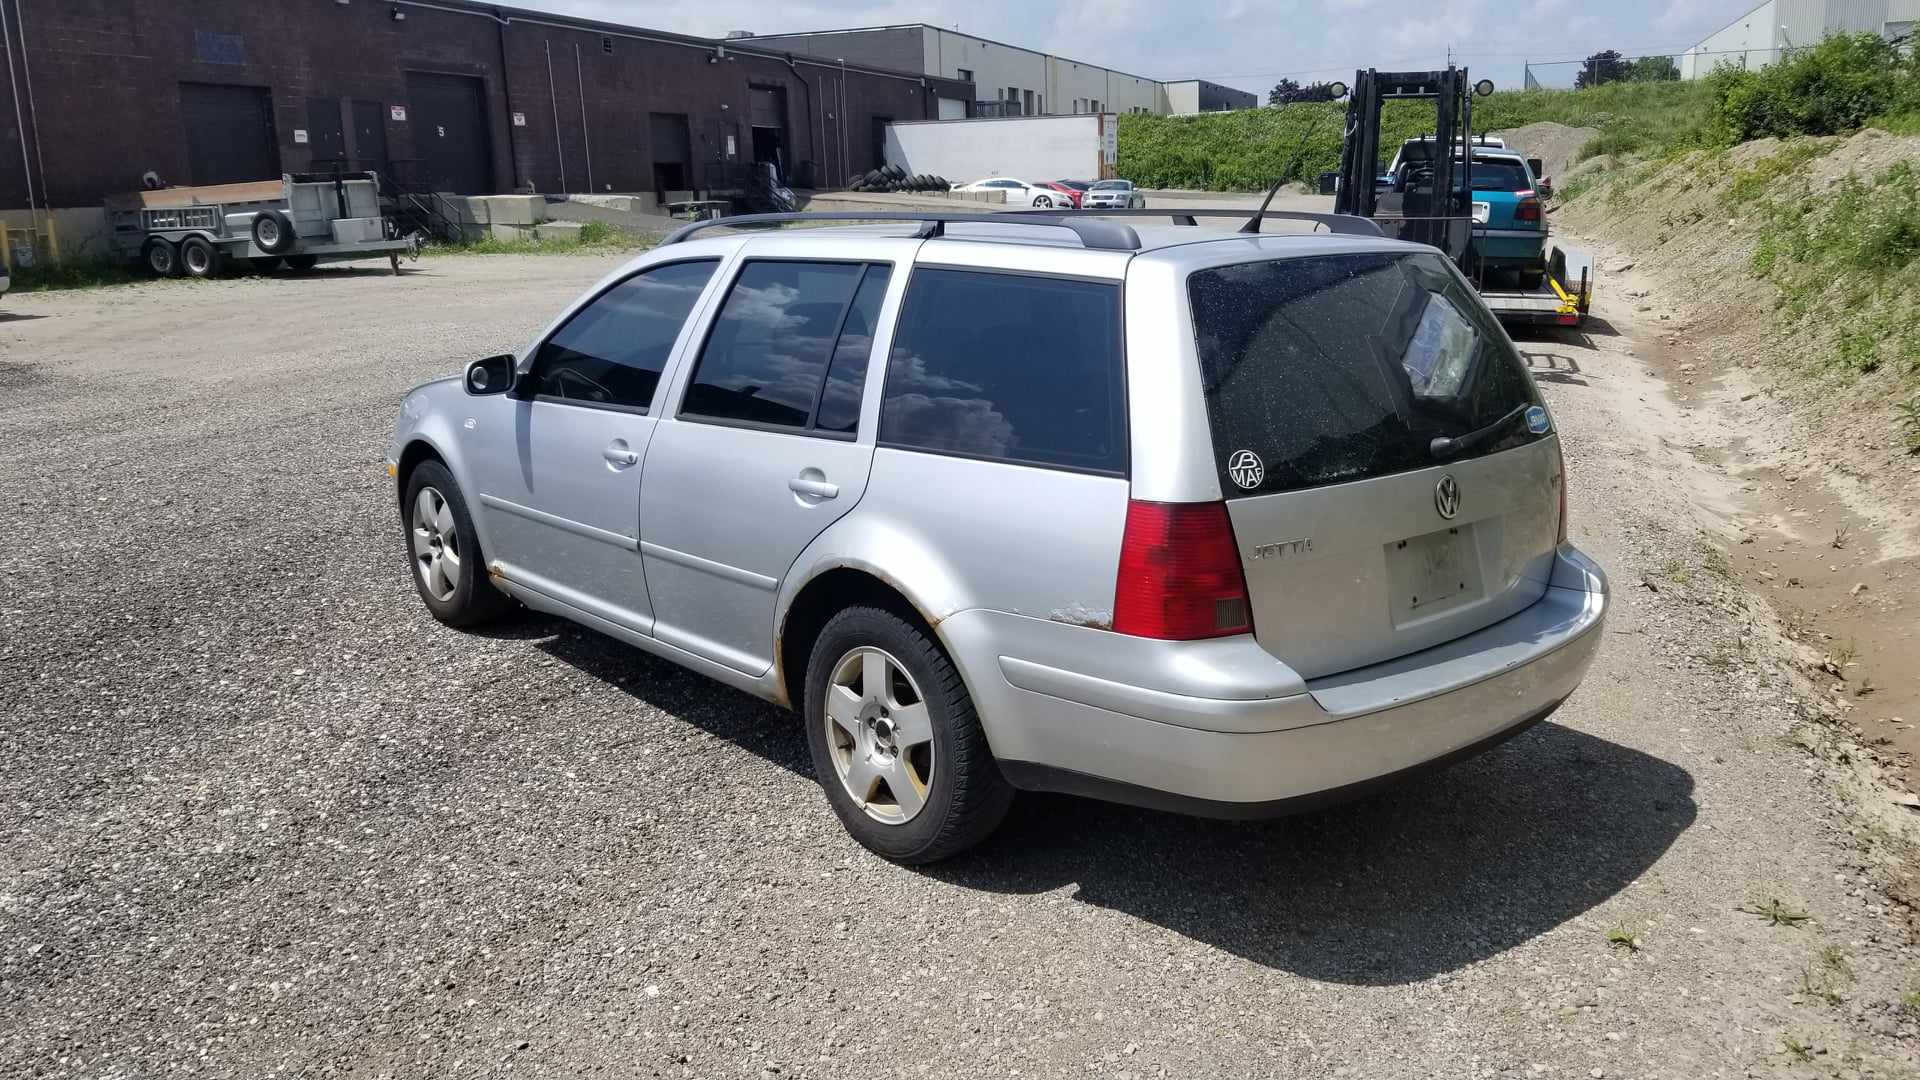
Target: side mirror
[1329,183]
[494,375]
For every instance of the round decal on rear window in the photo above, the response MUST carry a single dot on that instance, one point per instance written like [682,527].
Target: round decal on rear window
[1246,468]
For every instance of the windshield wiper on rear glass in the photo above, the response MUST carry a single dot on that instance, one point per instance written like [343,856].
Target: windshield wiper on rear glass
[1445,447]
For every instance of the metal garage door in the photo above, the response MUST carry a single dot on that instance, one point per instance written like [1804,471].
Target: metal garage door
[229,133]
[448,115]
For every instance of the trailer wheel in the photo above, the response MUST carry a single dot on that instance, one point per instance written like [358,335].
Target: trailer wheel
[273,232]
[162,258]
[303,263]
[264,264]
[198,258]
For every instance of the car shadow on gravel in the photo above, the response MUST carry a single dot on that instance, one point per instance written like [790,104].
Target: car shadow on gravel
[1425,879]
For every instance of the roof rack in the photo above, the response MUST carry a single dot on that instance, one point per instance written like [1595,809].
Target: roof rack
[1349,224]
[1093,232]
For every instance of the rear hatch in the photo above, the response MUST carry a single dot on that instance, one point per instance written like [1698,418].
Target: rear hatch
[1499,187]
[1328,379]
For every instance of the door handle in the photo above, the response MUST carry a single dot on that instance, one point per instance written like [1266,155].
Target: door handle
[618,455]
[818,489]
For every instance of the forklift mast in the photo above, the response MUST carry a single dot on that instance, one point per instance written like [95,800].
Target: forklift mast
[1435,212]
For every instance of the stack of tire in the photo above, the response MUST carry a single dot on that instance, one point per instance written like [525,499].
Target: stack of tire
[895,178]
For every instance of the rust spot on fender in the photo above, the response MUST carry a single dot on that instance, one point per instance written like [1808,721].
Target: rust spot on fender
[496,573]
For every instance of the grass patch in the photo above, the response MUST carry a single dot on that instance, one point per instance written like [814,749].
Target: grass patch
[1910,1001]
[74,274]
[1796,1049]
[1621,938]
[1844,258]
[594,238]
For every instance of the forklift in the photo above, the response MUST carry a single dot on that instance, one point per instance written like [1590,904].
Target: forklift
[1431,202]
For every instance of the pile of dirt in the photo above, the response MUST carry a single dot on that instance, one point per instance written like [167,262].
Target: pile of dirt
[1824,519]
[1556,145]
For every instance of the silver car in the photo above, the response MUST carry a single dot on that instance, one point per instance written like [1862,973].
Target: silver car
[1113,195]
[1223,523]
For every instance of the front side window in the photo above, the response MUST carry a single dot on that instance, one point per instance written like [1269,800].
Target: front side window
[612,351]
[1336,368]
[1009,367]
[790,342]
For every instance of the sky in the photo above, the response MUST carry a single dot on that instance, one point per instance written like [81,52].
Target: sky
[1237,42]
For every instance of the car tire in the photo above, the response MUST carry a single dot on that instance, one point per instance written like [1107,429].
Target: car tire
[273,232]
[448,569]
[1043,202]
[162,258]
[302,263]
[198,259]
[870,738]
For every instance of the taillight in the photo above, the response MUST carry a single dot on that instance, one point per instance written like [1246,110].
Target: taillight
[1180,575]
[1528,210]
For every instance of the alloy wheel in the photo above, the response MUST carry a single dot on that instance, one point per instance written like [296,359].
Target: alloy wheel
[436,544]
[879,735]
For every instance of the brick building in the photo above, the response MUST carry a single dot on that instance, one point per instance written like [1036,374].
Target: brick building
[457,96]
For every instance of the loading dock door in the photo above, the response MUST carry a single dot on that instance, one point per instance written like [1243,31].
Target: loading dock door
[448,115]
[672,152]
[229,133]
[370,137]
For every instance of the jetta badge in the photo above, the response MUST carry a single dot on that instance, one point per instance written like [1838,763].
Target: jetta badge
[1247,469]
[1446,496]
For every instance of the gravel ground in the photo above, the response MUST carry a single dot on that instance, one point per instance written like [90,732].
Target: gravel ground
[259,814]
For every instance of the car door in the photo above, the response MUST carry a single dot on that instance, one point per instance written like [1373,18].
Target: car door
[560,489]
[766,447]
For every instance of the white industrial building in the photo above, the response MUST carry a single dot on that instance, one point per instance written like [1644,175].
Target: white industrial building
[1008,80]
[1764,34]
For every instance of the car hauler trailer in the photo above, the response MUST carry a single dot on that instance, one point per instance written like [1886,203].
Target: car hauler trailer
[302,220]
[1436,207]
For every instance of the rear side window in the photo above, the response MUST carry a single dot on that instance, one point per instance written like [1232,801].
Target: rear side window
[787,329]
[1008,367]
[1337,368]
[612,351]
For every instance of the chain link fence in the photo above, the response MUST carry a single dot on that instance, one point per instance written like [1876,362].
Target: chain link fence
[1611,67]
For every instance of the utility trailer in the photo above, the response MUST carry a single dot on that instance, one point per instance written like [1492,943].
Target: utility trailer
[1438,209]
[300,220]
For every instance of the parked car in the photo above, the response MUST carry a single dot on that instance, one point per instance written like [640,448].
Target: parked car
[1509,223]
[1293,527]
[1018,192]
[1113,195]
[1072,189]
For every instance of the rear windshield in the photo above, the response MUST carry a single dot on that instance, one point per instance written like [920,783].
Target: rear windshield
[1500,176]
[1335,368]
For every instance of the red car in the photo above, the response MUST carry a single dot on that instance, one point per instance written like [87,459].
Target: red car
[1069,190]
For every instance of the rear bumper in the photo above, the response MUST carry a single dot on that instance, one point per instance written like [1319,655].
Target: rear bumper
[1277,744]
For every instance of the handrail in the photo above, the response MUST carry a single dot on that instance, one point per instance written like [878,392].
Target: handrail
[1093,233]
[1346,224]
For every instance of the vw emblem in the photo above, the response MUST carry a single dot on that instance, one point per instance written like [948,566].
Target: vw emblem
[1247,469]
[1446,496]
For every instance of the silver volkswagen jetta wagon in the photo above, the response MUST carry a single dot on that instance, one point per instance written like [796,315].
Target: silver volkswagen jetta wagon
[1210,521]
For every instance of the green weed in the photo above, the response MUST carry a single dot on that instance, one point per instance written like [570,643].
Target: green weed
[1775,912]
[1796,1049]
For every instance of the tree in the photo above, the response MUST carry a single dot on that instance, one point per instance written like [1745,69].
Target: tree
[1602,67]
[1653,69]
[1286,92]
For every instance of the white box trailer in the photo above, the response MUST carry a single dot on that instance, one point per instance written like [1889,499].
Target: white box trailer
[1031,148]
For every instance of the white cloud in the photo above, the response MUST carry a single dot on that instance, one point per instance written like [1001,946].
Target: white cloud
[1240,42]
